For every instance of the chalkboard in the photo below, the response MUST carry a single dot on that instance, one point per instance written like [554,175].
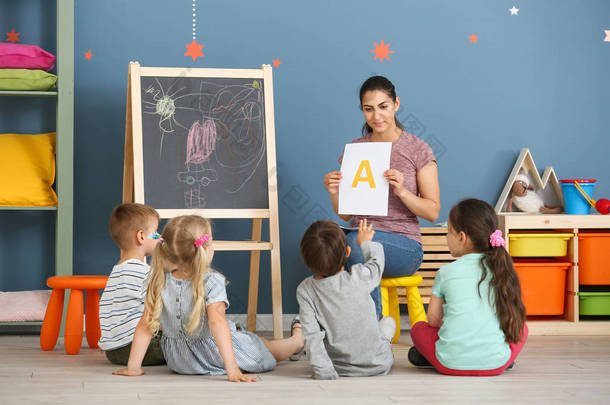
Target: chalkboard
[204,142]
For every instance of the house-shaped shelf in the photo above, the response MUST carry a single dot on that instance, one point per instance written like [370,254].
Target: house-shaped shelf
[547,187]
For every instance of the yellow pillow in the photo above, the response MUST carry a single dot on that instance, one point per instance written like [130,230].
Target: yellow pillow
[27,170]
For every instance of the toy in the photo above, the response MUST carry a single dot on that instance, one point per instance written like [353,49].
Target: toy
[546,187]
[526,199]
[602,206]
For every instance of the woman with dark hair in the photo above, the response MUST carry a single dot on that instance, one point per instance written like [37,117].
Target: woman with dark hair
[413,177]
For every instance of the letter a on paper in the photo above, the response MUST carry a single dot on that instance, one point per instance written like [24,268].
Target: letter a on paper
[366,166]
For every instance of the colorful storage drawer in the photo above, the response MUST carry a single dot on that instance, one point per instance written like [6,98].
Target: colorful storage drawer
[594,303]
[594,258]
[538,244]
[543,285]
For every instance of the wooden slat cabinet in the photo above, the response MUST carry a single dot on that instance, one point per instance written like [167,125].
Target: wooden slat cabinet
[436,255]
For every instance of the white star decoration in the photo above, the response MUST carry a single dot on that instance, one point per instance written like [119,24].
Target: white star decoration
[514,11]
[607,39]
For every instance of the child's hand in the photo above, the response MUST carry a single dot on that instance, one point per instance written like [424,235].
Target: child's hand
[238,376]
[130,373]
[365,232]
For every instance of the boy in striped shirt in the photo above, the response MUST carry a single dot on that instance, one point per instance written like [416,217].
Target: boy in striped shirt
[133,227]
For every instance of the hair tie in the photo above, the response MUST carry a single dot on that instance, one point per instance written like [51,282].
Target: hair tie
[496,239]
[157,236]
[203,239]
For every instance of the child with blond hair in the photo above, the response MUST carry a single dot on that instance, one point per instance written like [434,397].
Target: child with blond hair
[187,300]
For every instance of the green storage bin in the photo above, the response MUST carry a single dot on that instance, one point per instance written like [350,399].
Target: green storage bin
[594,303]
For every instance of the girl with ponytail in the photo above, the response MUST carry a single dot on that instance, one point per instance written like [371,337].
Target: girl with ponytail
[476,319]
[187,300]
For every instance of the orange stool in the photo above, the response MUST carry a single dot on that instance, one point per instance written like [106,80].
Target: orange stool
[73,335]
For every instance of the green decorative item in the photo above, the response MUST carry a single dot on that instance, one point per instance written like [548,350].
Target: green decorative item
[26,79]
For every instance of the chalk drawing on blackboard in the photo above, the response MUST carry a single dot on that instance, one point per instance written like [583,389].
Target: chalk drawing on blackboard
[164,105]
[200,144]
[237,111]
[225,143]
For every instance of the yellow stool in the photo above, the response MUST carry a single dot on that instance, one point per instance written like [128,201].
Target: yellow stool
[389,300]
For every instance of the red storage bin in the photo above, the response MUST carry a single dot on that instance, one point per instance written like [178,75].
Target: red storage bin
[594,258]
[543,285]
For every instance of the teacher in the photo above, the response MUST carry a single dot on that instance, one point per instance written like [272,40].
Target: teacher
[413,177]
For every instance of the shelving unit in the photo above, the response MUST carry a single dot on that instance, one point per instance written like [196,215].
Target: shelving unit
[569,323]
[64,182]
[28,93]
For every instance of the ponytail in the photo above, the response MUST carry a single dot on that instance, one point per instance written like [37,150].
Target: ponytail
[507,291]
[199,268]
[156,282]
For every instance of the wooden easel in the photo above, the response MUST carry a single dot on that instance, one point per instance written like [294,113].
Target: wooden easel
[133,181]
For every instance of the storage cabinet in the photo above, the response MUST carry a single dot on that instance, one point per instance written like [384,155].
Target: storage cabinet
[569,322]
[64,144]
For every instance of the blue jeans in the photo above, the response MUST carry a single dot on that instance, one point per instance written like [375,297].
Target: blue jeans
[403,256]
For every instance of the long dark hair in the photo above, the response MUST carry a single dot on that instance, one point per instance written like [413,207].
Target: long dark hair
[478,221]
[378,83]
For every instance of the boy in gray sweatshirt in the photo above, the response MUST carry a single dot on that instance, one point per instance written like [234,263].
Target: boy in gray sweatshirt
[340,327]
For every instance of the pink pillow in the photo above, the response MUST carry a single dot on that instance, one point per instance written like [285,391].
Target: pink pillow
[20,306]
[18,56]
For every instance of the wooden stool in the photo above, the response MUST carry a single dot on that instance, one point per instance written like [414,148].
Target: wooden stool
[73,335]
[389,300]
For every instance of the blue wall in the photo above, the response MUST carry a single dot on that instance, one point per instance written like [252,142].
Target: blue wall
[539,80]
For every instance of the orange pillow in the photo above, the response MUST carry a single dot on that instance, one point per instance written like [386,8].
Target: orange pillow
[27,170]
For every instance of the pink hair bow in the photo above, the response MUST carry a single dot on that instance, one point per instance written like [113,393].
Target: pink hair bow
[496,239]
[203,239]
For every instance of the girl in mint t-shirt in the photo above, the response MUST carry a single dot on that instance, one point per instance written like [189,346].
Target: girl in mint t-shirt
[476,317]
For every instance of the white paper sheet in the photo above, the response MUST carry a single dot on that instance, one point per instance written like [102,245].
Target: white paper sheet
[364,199]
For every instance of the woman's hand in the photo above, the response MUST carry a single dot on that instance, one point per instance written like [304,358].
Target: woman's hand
[396,180]
[237,376]
[331,182]
[129,372]
[365,233]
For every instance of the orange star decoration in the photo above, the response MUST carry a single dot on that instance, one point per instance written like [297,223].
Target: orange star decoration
[382,51]
[13,36]
[276,62]
[88,55]
[194,50]
[473,38]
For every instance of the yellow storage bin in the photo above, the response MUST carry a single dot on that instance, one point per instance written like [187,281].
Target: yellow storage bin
[538,244]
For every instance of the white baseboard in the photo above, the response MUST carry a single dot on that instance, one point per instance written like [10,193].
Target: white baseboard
[264,322]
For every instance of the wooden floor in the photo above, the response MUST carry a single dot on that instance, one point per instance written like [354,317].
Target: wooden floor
[550,370]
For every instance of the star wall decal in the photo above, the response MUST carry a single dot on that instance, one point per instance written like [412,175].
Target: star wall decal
[514,11]
[194,50]
[382,51]
[276,62]
[88,55]
[13,36]
[473,38]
